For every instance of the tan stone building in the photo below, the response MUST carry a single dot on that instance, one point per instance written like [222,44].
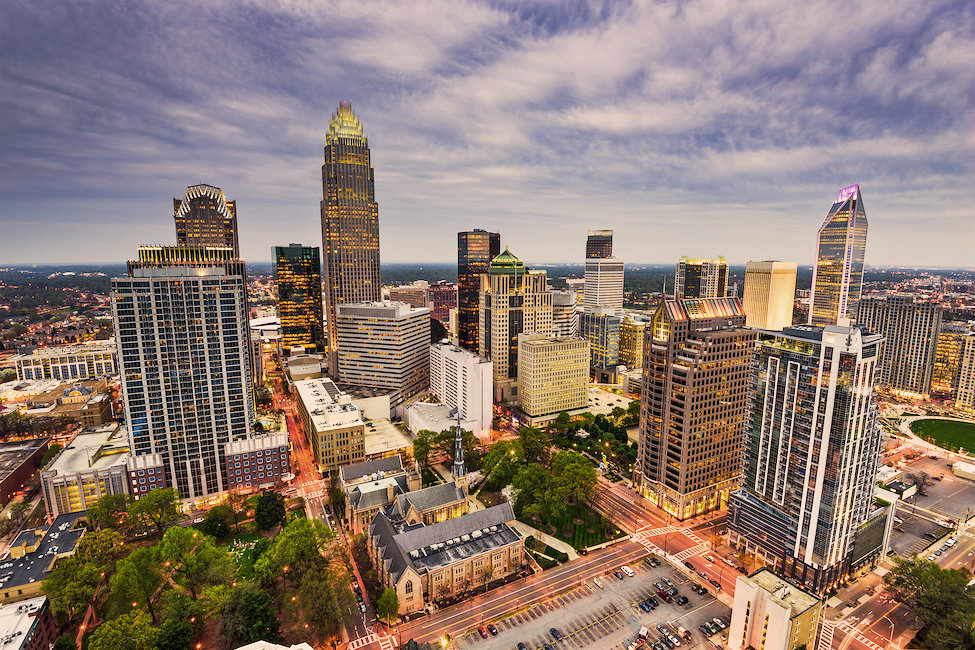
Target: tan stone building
[631,342]
[553,374]
[771,614]
[770,294]
[332,423]
[424,563]
[372,485]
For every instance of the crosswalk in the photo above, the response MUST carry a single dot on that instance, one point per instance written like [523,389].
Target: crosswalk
[692,551]
[385,642]
[826,636]
[644,536]
[850,630]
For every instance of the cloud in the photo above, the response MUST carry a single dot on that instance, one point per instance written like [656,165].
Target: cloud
[689,127]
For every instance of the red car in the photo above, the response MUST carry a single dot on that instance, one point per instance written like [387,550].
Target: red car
[482,632]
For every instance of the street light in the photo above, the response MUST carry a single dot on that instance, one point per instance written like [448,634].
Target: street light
[896,645]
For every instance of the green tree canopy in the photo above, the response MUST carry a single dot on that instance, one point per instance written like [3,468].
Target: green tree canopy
[387,608]
[157,510]
[423,445]
[71,585]
[218,522]
[535,445]
[326,600]
[941,598]
[299,547]
[269,511]
[194,560]
[129,631]
[110,511]
[248,616]
[136,579]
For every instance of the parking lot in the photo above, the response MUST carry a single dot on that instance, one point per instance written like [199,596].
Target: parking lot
[607,617]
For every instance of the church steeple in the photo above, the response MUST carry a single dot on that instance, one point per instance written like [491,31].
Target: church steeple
[459,471]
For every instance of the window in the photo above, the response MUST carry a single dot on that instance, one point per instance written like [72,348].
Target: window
[409,587]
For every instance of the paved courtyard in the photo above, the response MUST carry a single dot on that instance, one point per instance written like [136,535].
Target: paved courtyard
[606,618]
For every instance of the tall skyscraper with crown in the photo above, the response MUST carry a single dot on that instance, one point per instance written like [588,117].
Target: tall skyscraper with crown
[205,218]
[840,247]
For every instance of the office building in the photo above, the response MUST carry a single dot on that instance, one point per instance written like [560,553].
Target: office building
[810,452]
[414,295]
[632,330]
[565,320]
[553,374]
[28,625]
[67,362]
[599,244]
[693,404]
[332,423]
[604,286]
[701,278]
[92,465]
[443,298]
[947,358]
[298,276]
[910,330]
[384,345]
[204,217]
[184,353]
[464,381]
[475,250]
[965,393]
[424,563]
[771,614]
[514,300]
[838,273]
[770,294]
[603,333]
[350,222]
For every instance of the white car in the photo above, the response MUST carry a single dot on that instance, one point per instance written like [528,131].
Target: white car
[674,640]
[951,542]
[597,582]
[627,570]
[932,557]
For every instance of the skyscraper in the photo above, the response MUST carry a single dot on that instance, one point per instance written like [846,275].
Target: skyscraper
[565,321]
[514,300]
[947,358]
[475,250]
[553,375]
[910,330]
[183,350]
[697,363]
[298,274]
[965,392]
[350,221]
[602,331]
[599,244]
[770,294]
[840,246]
[632,331]
[204,217]
[810,452]
[604,286]
[701,278]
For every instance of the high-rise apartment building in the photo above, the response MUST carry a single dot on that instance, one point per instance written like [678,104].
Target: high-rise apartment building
[514,300]
[910,330]
[183,351]
[604,286]
[204,217]
[770,294]
[553,374]
[947,358]
[463,380]
[632,331]
[603,333]
[599,244]
[840,247]
[965,393]
[350,221]
[298,274]
[811,449]
[475,250]
[565,320]
[384,345]
[697,363]
[701,278]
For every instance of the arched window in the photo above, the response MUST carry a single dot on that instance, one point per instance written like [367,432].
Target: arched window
[409,586]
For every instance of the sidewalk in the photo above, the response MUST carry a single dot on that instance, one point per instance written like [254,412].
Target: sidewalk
[557,544]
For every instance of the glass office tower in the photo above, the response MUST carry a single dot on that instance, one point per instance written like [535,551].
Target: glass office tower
[298,274]
[475,250]
[350,221]
[599,244]
[840,247]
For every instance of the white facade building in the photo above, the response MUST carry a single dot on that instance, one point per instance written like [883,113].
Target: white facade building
[67,362]
[604,286]
[770,294]
[463,380]
[565,320]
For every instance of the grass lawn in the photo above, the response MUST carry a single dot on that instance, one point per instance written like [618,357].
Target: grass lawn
[946,433]
[581,527]
[430,477]
[241,549]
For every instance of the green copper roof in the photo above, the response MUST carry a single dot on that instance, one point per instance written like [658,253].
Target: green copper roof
[344,125]
[506,264]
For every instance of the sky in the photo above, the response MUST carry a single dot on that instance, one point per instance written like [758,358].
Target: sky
[695,127]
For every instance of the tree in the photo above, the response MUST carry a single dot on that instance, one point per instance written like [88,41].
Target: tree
[922,480]
[127,632]
[71,585]
[941,598]
[158,509]
[269,510]
[51,452]
[136,579]
[535,445]
[502,463]
[111,511]
[298,547]
[469,443]
[574,477]
[422,446]
[194,560]
[19,510]
[101,548]
[65,642]
[531,481]
[388,605]
[326,600]
[336,499]
[218,522]
[248,616]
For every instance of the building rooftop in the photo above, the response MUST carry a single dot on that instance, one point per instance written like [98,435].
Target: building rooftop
[328,406]
[65,350]
[356,471]
[379,309]
[17,619]
[428,499]
[54,541]
[94,451]
[446,347]
[382,437]
[13,454]
[703,308]
[781,592]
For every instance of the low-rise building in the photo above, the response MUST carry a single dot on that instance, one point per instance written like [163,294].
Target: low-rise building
[332,423]
[430,505]
[424,563]
[32,555]
[93,465]
[257,463]
[771,614]
[146,473]
[372,485]
[68,362]
[18,462]
[28,625]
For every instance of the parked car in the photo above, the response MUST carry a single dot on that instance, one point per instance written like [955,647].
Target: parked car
[555,633]
[627,570]
[618,574]
[645,606]
[597,582]
[674,640]
[720,623]
[681,600]
[482,632]
[689,565]
[493,630]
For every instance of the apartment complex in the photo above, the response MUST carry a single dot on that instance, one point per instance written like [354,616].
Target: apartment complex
[332,423]
[465,381]
[841,244]
[965,393]
[770,294]
[694,399]
[67,362]
[947,358]
[811,450]
[553,374]
[701,278]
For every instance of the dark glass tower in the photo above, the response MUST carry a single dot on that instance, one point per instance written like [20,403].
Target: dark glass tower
[599,244]
[701,278]
[840,247]
[350,221]
[298,274]
[475,250]
[204,217]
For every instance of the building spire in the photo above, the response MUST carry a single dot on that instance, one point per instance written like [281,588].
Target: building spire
[459,469]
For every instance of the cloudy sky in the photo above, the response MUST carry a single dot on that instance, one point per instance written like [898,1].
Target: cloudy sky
[699,127]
